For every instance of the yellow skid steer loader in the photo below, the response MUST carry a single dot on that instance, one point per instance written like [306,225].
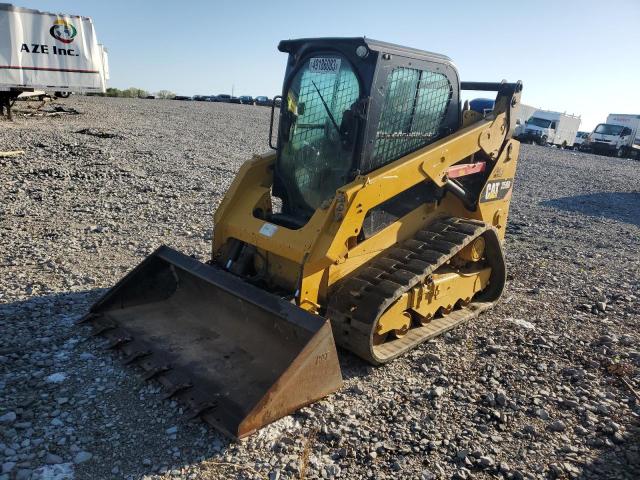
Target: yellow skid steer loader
[376,224]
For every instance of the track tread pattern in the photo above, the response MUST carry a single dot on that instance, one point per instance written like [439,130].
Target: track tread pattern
[357,304]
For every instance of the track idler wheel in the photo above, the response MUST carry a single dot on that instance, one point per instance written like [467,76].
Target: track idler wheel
[392,324]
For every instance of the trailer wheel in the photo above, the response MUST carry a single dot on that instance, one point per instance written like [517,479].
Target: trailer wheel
[564,145]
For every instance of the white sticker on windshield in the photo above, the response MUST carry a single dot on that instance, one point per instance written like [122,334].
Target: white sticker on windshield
[324,65]
[268,229]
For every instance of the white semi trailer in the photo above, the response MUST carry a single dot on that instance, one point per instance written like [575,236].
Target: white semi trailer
[551,128]
[620,136]
[48,51]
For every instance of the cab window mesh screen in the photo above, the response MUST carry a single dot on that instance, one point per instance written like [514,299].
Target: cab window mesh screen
[415,105]
[313,160]
[339,91]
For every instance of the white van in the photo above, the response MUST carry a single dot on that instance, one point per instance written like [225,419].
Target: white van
[620,136]
[524,113]
[581,138]
[551,128]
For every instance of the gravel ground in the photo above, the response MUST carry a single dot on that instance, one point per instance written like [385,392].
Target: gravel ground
[521,392]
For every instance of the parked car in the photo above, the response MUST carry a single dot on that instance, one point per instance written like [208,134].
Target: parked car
[278,102]
[182,97]
[200,98]
[223,97]
[246,99]
[263,101]
[235,100]
[150,97]
[579,141]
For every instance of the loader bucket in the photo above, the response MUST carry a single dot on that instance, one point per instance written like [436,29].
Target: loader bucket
[238,356]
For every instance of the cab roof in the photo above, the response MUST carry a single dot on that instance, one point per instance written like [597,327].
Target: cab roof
[295,45]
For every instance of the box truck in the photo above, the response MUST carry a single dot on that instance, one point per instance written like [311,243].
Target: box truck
[48,51]
[551,128]
[620,136]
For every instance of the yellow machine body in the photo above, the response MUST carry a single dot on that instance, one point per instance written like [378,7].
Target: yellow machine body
[324,251]
[251,335]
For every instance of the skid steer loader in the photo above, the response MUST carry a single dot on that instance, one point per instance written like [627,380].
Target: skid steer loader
[376,224]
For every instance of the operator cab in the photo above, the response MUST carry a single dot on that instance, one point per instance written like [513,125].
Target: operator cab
[350,106]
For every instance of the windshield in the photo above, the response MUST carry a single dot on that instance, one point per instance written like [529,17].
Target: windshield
[539,122]
[606,129]
[317,131]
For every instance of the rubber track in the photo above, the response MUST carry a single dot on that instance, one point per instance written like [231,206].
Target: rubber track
[356,304]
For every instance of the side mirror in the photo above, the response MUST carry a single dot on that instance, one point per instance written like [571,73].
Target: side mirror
[273,105]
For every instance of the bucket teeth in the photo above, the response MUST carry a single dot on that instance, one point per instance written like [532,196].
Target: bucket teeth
[104,328]
[178,389]
[89,317]
[237,356]
[118,342]
[157,371]
[137,355]
[202,408]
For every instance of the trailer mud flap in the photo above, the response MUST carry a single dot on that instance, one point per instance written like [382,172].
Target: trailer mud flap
[238,356]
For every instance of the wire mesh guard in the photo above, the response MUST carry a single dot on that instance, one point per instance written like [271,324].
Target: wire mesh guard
[415,105]
[314,155]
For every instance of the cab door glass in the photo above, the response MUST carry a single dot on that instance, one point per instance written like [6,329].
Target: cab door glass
[316,142]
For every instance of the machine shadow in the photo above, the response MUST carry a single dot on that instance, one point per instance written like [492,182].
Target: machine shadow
[623,461]
[352,366]
[619,206]
[65,309]
[62,311]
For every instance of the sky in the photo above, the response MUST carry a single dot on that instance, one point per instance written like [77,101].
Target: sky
[578,57]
